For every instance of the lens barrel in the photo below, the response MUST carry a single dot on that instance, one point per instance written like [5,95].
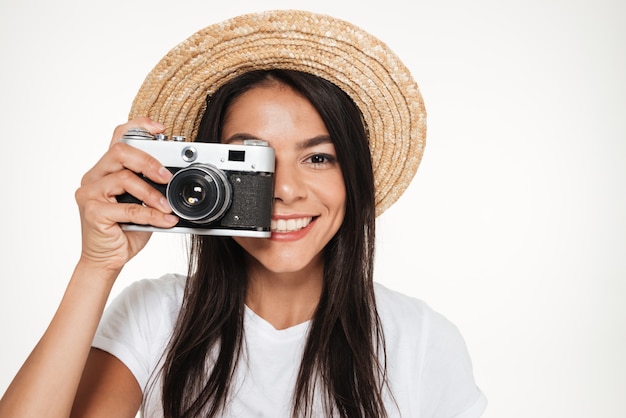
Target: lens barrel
[199,193]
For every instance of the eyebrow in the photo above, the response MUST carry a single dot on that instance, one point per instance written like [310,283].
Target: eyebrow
[312,142]
[307,143]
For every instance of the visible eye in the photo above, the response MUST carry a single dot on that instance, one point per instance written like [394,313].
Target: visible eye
[321,160]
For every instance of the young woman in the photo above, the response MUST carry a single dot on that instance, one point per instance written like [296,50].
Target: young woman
[292,325]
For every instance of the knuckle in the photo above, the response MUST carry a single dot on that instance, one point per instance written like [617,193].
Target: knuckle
[118,149]
[140,214]
[133,211]
[126,176]
[83,181]
[119,130]
[79,194]
[152,164]
[154,195]
[140,120]
[90,209]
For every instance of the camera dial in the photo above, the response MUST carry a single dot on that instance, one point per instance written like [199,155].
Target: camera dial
[137,133]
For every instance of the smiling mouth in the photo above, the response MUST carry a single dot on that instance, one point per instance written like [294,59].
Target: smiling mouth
[290,225]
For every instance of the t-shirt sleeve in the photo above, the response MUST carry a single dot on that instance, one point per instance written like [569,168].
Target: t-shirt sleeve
[136,326]
[451,391]
[428,361]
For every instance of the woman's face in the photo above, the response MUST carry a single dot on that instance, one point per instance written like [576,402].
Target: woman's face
[309,191]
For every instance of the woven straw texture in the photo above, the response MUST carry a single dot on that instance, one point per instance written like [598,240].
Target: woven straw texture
[174,92]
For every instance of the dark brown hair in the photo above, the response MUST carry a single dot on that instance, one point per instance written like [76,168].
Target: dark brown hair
[343,364]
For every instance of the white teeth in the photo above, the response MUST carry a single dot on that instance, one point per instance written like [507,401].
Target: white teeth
[290,225]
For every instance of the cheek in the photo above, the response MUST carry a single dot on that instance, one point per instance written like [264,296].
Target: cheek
[332,193]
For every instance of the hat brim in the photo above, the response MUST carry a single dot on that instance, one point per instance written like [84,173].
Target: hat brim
[174,92]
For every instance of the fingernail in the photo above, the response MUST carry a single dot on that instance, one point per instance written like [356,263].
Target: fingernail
[171,219]
[158,125]
[165,173]
[165,204]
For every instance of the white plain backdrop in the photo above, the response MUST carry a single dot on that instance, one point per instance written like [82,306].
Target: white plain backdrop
[514,227]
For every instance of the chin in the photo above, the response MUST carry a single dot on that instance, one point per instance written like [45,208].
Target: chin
[275,259]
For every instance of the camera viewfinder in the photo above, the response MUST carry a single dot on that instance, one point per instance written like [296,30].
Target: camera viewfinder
[236,155]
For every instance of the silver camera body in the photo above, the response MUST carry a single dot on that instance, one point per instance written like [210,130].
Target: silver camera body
[216,189]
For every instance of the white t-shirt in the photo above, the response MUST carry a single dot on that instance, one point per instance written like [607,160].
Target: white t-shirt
[429,370]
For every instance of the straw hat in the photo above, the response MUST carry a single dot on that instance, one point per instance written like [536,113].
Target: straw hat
[175,91]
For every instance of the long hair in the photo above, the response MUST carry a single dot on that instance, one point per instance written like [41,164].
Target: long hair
[343,364]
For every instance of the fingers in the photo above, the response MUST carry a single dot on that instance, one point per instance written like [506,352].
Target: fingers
[119,171]
[98,204]
[120,182]
[122,156]
[109,213]
[151,126]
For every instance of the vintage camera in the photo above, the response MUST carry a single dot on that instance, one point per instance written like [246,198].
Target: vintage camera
[216,189]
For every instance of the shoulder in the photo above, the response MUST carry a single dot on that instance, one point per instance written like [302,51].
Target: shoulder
[137,324]
[429,366]
[405,313]
[145,302]
[164,288]
[149,294]
[411,323]
[149,302]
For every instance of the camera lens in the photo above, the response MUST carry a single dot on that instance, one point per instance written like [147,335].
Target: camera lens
[193,194]
[199,193]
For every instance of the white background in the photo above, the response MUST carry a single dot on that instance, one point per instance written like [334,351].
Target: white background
[514,228]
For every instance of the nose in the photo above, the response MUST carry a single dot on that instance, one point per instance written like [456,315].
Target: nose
[288,187]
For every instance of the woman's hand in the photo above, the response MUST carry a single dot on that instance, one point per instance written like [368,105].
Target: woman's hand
[104,243]
[46,385]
